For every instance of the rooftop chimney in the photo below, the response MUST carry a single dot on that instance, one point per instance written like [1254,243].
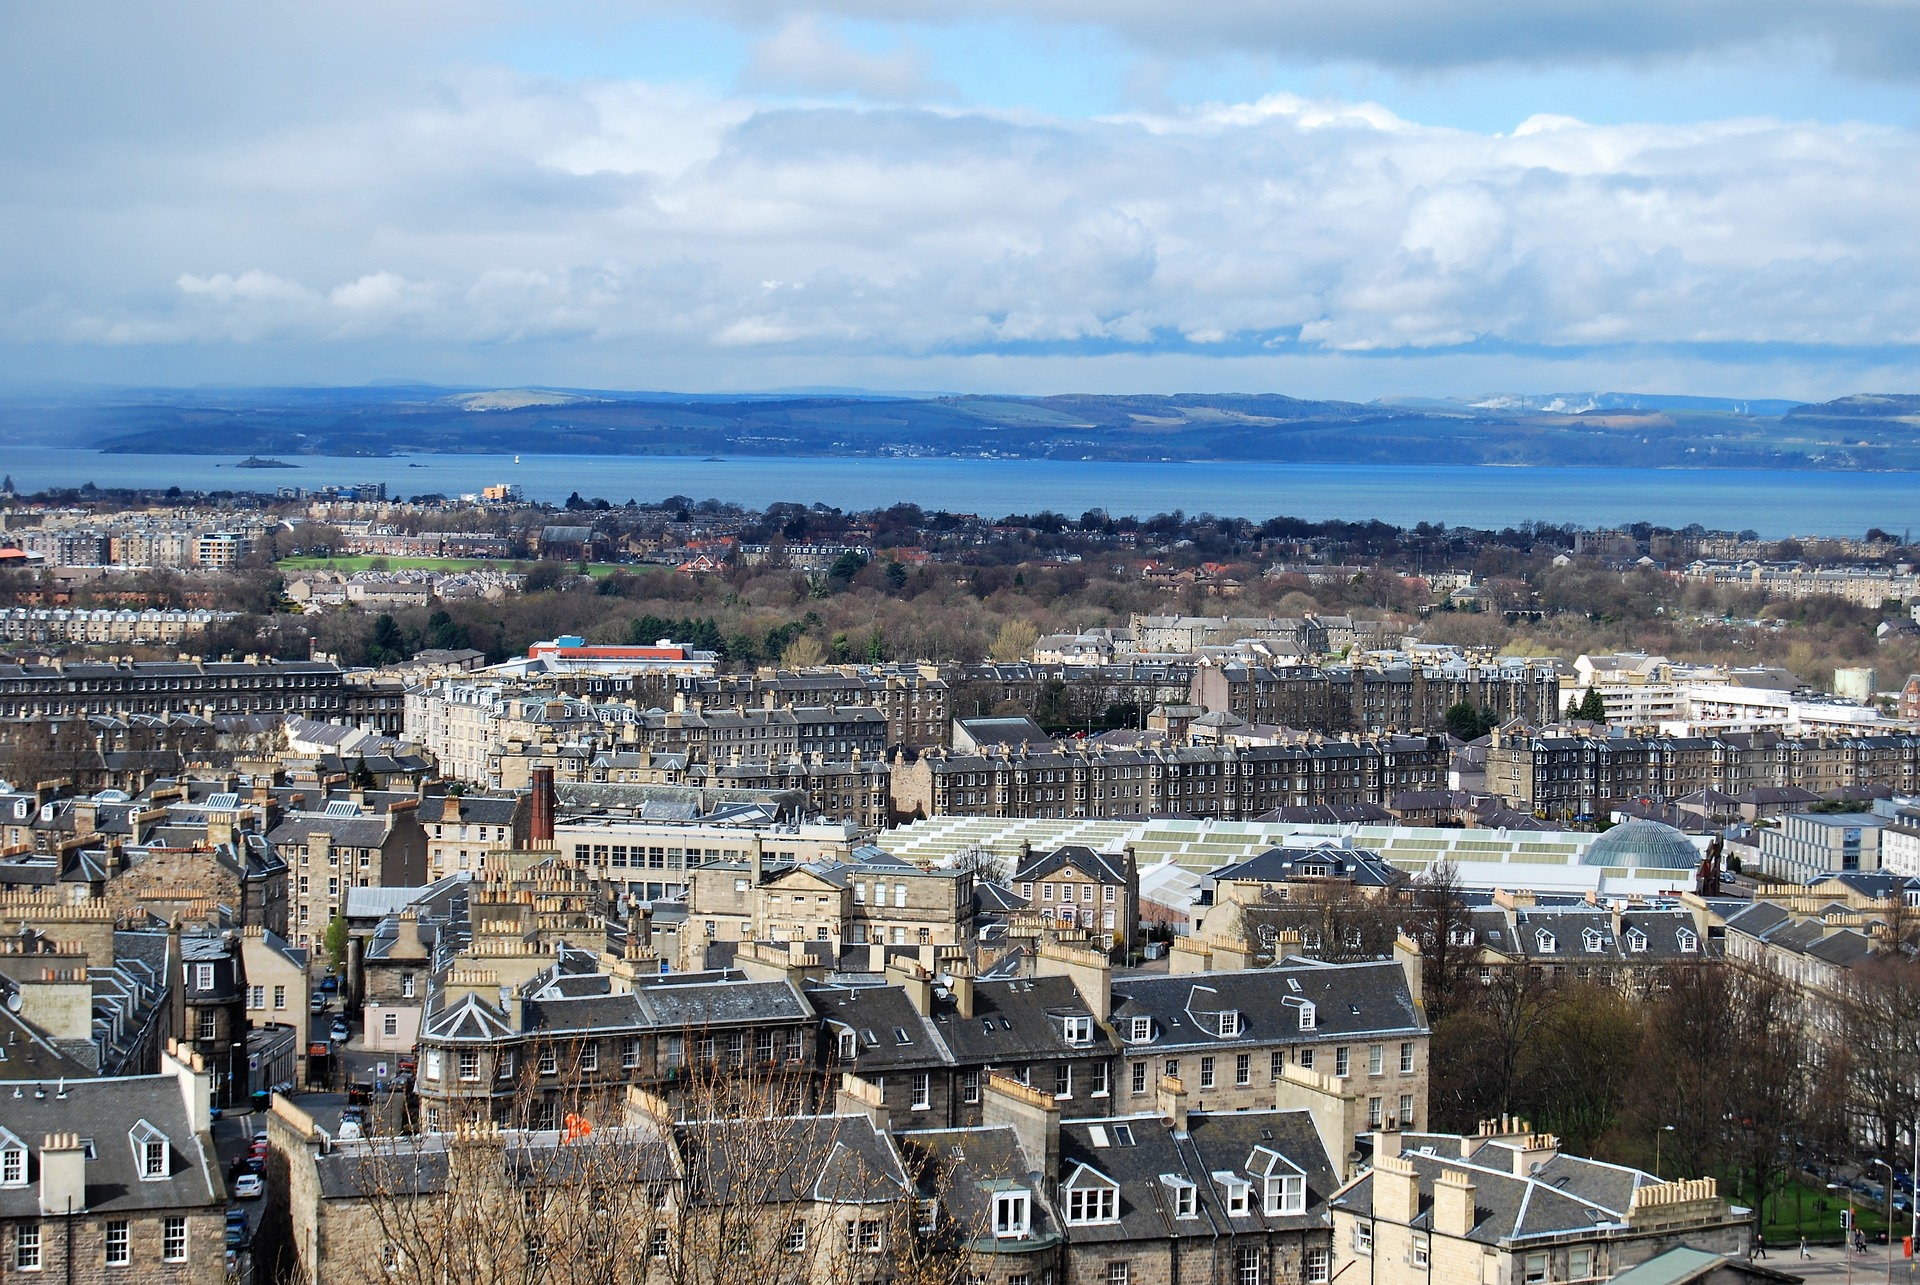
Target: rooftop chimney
[63,1174]
[541,832]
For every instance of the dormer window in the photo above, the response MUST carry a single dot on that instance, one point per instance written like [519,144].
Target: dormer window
[1230,1022]
[1079,1030]
[1090,1197]
[1139,1030]
[13,1160]
[1689,943]
[1309,1015]
[151,1152]
[1284,1182]
[1239,1194]
[1544,942]
[1593,940]
[1636,942]
[1012,1214]
[1286,1193]
[1182,1196]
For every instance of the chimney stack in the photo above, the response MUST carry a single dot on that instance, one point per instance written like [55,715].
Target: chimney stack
[543,807]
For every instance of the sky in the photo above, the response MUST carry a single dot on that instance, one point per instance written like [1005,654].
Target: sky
[1365,199]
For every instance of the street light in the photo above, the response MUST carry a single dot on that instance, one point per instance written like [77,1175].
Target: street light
[1665,1128]
[1847,1240]
[1889,1168]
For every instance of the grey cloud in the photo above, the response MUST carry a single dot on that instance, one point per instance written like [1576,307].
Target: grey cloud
[805,56]
[1879,38]
[471,218]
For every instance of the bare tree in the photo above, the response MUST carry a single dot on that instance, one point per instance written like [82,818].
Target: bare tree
[1440,922]
[724,1186]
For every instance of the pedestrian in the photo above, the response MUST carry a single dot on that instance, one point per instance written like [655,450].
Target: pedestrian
[1759,1245]
[1859,1241]
[1804,1251]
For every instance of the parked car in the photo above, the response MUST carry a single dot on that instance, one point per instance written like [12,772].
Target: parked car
[259,1138]
[213,1112]
[256,1164]
[249,1186]
[341,1032]
[235,1214]
[318,1003]
[236,1235]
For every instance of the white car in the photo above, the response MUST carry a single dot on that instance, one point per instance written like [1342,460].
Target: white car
[248,1186]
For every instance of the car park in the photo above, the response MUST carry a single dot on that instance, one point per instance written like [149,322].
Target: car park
[248,1186]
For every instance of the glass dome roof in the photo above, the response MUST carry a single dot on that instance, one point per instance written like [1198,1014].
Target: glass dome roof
[1642,844]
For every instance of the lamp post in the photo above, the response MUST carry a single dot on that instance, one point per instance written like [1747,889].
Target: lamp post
[1663,1129]
[1889,1168]
[1847,1240]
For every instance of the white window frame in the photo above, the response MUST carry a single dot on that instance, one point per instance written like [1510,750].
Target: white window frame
[1286,1193]
[1090,1205]
[1012,1214]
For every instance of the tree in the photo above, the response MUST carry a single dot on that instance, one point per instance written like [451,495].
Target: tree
[1331,921]
[804,652]
[1467,723]
[335,941]
[1440,924]
[1014,642]
[716,1188]
[1592,707]
[1880,1030]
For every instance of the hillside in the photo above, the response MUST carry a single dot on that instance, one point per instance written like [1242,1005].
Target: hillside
[1863,432]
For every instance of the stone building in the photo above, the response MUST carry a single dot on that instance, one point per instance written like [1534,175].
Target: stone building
[211,1008]
[1508,1206]
[113,1179]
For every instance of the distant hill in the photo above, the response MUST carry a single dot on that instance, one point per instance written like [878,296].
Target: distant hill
[1862,432]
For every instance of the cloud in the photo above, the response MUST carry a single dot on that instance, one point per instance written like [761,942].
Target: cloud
[1875,38]
[460,219]
[806,57]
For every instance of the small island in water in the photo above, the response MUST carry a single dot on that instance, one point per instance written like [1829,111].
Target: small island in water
[254,461]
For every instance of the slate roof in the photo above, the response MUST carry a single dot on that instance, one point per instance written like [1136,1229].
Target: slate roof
[1019,1020]
[844,1159]
[1135,1152]
[108,1111]
[1104,867]
[892,1034]
[475,809]
[342,832]
[965,1168]
[1348,999]
[1281,865]
[1567,1193]
[417,1163]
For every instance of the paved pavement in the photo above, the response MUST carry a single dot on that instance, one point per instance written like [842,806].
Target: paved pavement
[1829,1263]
